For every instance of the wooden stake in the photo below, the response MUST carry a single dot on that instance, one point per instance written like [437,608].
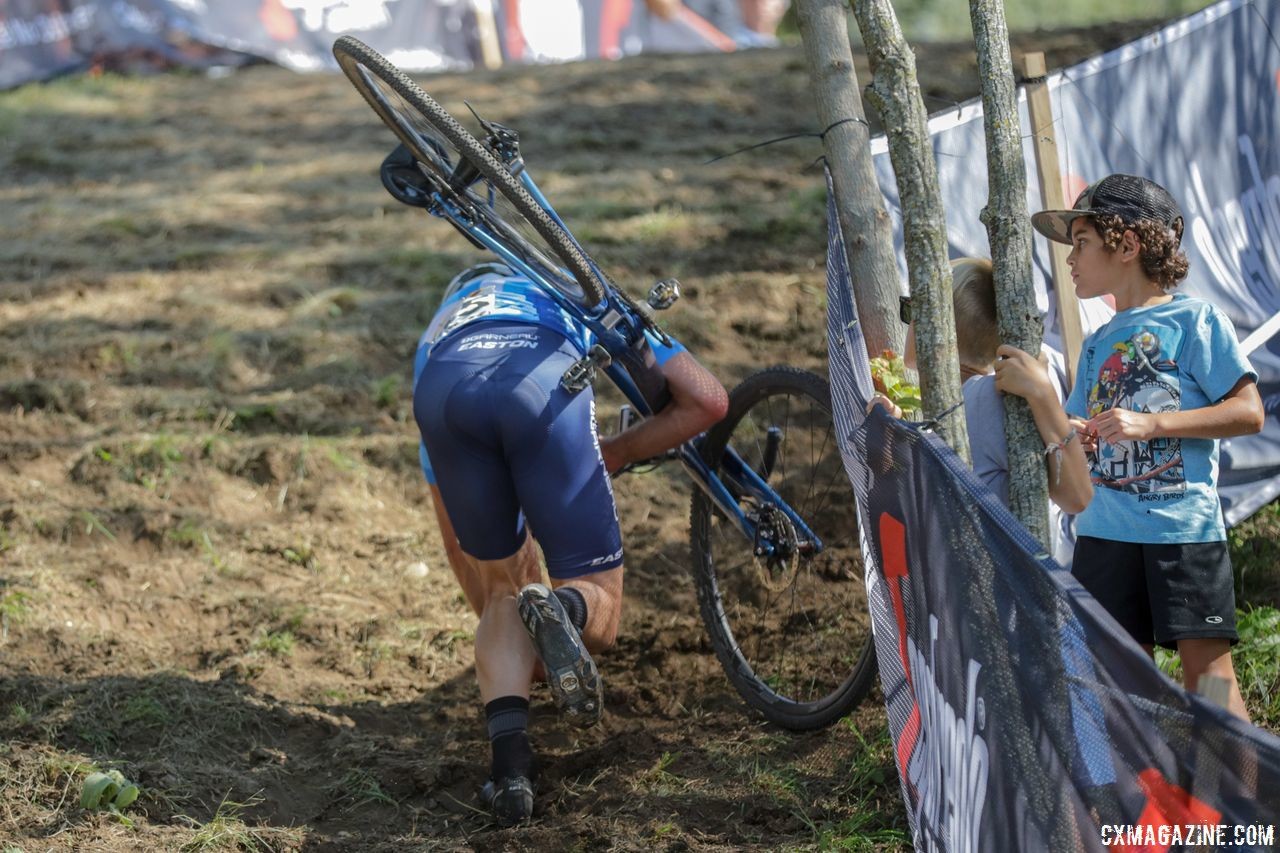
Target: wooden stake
[1045,145]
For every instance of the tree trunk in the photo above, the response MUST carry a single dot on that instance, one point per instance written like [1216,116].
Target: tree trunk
[824,26]
[895,94]
[1009,233]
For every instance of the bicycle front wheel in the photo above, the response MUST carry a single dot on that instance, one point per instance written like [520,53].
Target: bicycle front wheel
[791,627]
[490,192]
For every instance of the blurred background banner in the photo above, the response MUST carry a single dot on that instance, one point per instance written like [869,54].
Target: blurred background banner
[40,39]
[1194,107]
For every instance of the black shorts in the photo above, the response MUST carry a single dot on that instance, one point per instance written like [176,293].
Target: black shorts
[1161,593]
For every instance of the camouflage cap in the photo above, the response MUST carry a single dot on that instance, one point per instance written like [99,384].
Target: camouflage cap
[1127,196]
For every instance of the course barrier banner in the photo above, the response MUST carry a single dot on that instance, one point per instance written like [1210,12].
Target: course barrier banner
[1194,106]
[43,38]
[1022,716]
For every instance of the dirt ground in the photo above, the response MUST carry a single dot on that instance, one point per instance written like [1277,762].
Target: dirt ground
[218,569]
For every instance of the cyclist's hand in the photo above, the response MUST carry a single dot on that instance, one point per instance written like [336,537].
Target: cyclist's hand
[664,9]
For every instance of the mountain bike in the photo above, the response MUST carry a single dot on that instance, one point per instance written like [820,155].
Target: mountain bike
[774,531]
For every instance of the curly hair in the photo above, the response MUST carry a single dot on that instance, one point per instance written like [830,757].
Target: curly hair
[1163,260]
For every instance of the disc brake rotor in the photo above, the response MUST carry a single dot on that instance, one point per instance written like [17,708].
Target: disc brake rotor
[777,557]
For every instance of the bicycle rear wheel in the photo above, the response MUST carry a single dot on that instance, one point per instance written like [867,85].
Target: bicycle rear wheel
[793,633]
[494,195]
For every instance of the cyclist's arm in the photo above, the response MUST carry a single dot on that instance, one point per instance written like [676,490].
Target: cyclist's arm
[698,400]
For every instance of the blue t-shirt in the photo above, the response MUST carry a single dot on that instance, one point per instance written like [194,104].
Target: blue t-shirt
[1177,356]
[493,292]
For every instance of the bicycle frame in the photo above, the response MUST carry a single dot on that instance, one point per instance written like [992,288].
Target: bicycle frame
[617,328]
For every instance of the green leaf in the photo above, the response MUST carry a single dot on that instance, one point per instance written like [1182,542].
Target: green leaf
[98,788]
[127,795]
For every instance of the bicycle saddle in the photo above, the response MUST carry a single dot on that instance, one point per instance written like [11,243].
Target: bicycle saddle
[404,179]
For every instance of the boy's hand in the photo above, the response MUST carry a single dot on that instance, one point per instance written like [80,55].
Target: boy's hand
[1020,374]
[1117,425]
[878,399]
[1088,438]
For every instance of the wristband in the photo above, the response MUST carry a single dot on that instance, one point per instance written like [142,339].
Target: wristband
[1055,448]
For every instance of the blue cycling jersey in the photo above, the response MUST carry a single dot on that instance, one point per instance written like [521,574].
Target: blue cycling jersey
[493,292]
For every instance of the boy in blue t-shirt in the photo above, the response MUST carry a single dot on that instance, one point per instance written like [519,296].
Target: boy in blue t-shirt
[1156,387]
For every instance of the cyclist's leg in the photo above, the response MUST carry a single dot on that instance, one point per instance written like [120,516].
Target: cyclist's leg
[560,476]
[478,511]
[504,654]
[602,594]
[462,564]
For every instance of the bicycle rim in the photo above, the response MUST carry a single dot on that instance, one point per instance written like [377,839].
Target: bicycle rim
[794,637]
[502,206]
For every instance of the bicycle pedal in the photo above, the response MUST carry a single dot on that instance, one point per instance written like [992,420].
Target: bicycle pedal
[664,294]
[583,371]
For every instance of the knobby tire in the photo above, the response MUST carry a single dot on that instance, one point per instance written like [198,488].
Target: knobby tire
[351,53]
[801,655]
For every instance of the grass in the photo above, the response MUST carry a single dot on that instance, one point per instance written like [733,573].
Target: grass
[1255,556]
[278,644]
[226,830]
[190,534]
[659,779]
[1257,662]
[871,816]
[360,788]
[13,608]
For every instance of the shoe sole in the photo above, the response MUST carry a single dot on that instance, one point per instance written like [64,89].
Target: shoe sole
[571,673]
[512,804]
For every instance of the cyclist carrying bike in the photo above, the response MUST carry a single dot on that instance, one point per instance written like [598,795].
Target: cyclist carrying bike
[509,452]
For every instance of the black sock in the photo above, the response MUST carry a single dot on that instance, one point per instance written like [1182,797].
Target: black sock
[575,604]
[508,722]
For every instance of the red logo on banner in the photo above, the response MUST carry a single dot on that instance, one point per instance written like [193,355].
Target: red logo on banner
[1168,805]
[893,547]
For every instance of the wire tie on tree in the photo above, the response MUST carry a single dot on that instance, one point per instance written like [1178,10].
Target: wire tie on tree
[933,423]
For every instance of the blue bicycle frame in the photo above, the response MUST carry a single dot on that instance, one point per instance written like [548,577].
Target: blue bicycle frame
[617,328]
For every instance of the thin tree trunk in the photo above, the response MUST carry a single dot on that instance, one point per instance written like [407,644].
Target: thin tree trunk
[824,27]
[895,94]
[1009,233]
